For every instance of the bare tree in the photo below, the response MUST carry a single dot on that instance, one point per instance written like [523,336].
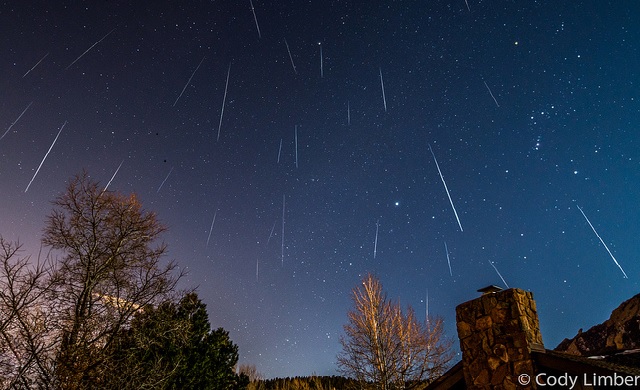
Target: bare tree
[251,371]
[384,346]
[422,353]
[256,379]
[26,342]
[109,268]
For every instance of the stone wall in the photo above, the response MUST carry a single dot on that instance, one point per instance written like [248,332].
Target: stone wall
[497,332]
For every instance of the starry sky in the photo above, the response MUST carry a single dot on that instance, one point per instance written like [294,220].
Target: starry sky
[225,108]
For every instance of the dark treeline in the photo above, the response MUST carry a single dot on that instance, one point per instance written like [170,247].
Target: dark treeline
[307,383]
[318,383]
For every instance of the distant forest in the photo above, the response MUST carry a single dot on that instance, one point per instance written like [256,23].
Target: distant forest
[305,383]
[312,383]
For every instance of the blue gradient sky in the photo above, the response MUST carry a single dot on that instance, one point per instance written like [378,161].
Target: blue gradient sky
[564,133]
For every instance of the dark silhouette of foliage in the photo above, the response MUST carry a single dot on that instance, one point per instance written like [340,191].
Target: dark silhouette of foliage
[173,347]
[310,383]
[26,342]
[104,313]
[109,266]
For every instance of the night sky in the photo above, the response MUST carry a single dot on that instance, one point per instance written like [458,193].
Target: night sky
[531,108]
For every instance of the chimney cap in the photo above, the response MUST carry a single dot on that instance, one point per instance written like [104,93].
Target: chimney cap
[490,289]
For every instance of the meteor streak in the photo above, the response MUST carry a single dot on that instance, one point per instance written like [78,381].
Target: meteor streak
[113,177]
[16,121]
[290,57]
[45,156]
[296,139]
[37,63]
[224,99]
[85,52]
[384,99]
[188,81]
[448,260]
[282,238]
[602,241]
[498,272]
[211,228]
[165,179]
[491,93]
[271,234]
[375,243]
[256,19]
[445,187]
[427,308]
[321,61]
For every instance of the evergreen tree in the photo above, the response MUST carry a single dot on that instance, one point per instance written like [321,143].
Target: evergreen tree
[173,347]
[110,264]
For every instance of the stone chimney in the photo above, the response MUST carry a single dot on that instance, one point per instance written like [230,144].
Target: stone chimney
[497,333]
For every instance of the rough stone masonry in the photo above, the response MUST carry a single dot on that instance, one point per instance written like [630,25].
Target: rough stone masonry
[497,332]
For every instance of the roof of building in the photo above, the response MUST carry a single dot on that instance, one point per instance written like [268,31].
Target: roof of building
[624,362]
[452,379]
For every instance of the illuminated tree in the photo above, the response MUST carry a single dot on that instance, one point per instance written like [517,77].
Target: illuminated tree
[109,268]
[26,342]
[105,314]
[384,346]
